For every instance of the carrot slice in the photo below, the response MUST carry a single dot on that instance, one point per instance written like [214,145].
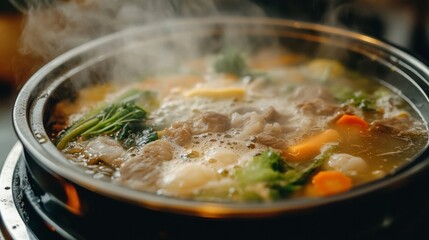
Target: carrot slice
[310,147]
[353,121]
[331,182]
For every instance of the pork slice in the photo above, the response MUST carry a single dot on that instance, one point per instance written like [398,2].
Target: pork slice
[271,114]
[251,123]
[142,171]
[314,100]
[107,150]
[270,141]
[396,125]
[180,133]
[244,109]
[211,122]
[318,106]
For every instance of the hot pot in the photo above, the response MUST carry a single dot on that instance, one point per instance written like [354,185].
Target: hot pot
[76,205]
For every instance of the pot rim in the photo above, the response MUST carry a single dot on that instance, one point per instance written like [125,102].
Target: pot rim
[23,129]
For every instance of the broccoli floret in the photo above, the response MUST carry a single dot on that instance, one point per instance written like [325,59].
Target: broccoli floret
[232,62]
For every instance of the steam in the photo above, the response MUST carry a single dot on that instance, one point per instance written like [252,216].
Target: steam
[53,27]
[56,26]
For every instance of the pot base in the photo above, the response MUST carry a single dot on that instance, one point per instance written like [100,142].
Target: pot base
[24,216]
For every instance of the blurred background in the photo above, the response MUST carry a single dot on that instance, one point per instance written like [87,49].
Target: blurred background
[10,30]
[404,23]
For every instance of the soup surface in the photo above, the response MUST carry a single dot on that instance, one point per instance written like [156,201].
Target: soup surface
[238,128]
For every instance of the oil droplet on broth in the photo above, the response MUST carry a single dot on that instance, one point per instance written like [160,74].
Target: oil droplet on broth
[40,138]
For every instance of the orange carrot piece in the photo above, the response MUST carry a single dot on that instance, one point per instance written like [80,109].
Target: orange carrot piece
[354,121]
[331,182]
[310,147]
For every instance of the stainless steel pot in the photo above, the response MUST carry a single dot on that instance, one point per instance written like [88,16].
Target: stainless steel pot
[90,208]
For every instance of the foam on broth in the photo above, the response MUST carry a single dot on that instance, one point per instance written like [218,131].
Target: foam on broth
[278,104]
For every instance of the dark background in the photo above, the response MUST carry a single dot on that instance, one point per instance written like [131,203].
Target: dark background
[404,23]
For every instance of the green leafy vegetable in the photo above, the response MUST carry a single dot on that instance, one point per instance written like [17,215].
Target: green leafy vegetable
[362,100]
[232,62]
[147,100]
[358,99]
[279,177]
[386,98]
[266,167]
[123,118]
[135,134]
[267,177]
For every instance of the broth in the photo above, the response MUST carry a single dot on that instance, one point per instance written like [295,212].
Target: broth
[235,128]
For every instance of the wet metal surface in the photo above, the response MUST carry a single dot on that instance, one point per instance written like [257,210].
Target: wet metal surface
[11,222]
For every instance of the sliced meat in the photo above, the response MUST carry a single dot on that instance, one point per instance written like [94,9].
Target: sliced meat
[142,171]
[318,106]
[211,122]
[274,129]
[180,133]
[244,109]
[107,150]
[271,114]
[396,125]
[252,123]
[270,141]
[315,101]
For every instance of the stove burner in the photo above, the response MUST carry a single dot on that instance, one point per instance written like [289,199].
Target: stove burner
[13,225]
[21,214]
